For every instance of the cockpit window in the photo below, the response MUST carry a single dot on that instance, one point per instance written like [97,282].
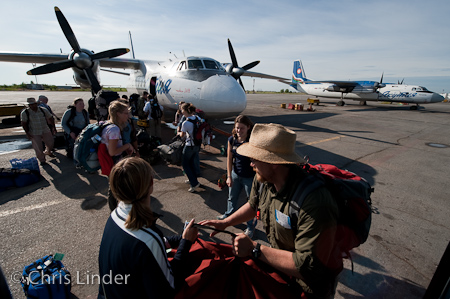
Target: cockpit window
[423,88]
[195,64]
[210,64]
[181,66]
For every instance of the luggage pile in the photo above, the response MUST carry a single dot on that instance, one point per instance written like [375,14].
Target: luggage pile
[23,172]
[148,146]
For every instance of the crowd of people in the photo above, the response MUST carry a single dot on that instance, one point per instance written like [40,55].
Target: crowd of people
[261,160]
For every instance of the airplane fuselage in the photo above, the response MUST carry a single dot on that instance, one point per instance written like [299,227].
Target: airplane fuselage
[201,81]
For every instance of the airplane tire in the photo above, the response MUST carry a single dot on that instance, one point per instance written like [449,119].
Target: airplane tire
[341,103]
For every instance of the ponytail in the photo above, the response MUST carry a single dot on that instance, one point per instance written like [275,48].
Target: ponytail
[131,181]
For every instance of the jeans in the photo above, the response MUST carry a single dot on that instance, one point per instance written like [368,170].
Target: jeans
[189,161]
[239,183]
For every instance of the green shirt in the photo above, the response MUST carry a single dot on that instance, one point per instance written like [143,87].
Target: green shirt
[311,239]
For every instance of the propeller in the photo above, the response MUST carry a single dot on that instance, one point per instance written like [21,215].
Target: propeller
[81,59]
[400,82]
[234,70]
[380,84]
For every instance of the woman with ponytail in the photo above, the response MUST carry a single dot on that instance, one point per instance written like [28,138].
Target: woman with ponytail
[132,259]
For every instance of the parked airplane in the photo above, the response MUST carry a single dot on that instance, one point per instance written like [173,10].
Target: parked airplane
[203,81]
[362,90]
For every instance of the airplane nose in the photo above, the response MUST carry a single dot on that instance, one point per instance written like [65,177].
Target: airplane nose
[435,98]
[222,95]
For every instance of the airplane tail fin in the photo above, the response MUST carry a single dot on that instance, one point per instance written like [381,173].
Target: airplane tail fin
[298,73]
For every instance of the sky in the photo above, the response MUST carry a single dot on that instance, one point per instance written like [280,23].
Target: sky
[336,40]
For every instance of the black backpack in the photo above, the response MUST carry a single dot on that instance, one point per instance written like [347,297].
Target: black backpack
[197,133]
[156,110]
[102,101]
[91,108]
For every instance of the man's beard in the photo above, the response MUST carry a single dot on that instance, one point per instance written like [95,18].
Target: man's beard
[260,178]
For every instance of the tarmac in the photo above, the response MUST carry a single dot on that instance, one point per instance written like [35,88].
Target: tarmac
[404,155]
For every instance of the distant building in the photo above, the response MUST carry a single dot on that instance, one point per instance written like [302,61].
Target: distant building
[35,86]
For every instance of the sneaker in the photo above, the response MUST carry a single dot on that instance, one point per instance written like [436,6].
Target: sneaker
[186,181]
[249,232]
[193,189]
[50,154]
[221,217]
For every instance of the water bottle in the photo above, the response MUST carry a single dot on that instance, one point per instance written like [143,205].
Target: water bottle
[96,138]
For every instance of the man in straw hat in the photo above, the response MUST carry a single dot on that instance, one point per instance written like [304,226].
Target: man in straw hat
[304,248]
[36,122]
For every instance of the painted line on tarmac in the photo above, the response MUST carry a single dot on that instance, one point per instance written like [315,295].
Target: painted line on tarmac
[323,140]
[30,208]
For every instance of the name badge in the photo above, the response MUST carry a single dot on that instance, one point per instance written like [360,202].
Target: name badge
[283,219]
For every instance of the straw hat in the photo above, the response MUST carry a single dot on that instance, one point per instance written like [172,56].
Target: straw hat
[271,143]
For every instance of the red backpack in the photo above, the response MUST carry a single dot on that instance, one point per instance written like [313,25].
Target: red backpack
[352,194]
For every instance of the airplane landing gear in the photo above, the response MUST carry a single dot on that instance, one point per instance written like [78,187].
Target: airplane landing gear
[341,101]
[414,107]
[363,103]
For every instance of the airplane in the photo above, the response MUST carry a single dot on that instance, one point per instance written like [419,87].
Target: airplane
[362,90]
[209,85]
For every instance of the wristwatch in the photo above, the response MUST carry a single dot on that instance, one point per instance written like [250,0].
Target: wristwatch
[256,253]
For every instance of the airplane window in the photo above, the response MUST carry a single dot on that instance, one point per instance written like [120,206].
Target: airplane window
[210,64]
[182,66]
[424,88]
[195,64]
[413,89]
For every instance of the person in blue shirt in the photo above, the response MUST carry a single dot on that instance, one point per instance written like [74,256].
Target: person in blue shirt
[74,120]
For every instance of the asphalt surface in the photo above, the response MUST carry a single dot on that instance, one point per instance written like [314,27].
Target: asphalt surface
[389,145]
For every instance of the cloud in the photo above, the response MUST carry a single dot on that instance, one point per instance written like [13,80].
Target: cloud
[338,40]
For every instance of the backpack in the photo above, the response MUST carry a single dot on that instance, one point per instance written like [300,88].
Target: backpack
[140,108]
[92,110]
[133,103]
[102,101]
[352,195]
[46,278]
[86,146]
[156,110]
[202,131]
[173,152]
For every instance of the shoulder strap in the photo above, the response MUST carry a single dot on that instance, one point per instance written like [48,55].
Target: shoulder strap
[306,186]
[28,117]
[86,116]
[72,115]
[40,108]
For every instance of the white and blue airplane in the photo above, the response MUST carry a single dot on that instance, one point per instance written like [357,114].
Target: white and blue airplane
[362,90]
[207,84]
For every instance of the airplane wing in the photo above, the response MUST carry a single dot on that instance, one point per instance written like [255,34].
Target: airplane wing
[43,58]
[32,57]
[265,76]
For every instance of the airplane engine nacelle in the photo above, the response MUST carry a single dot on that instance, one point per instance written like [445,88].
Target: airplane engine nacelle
[332,88]
[82,63]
